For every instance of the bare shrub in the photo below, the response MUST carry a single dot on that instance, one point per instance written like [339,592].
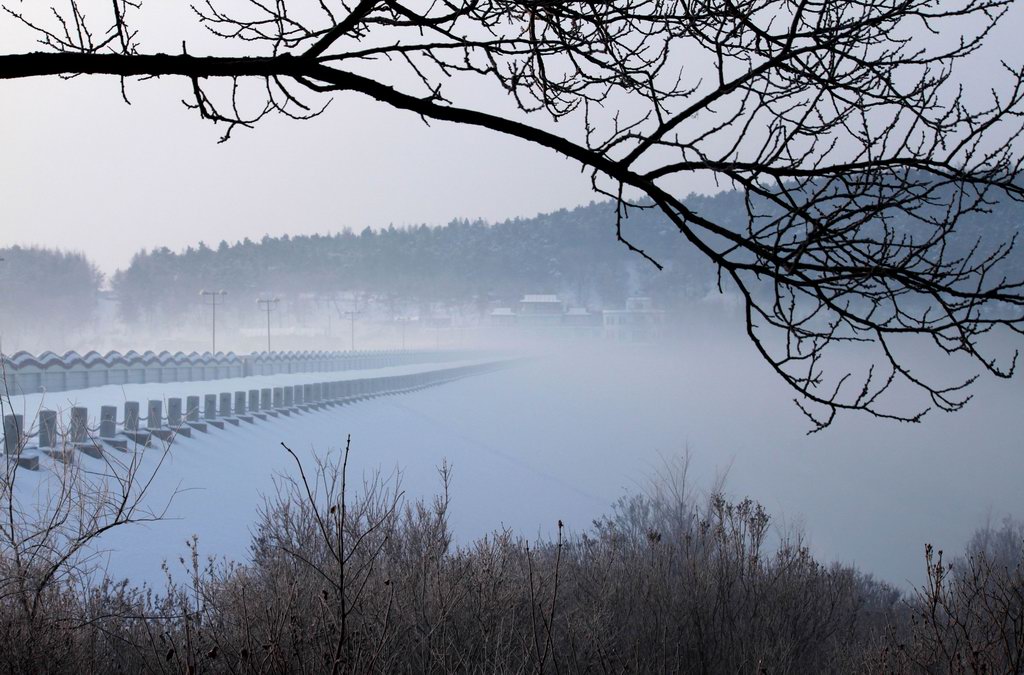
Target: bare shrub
[969,615]
[671,580]
[58,610]
[664,583]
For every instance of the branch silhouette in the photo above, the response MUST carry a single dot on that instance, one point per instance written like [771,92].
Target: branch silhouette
[845,125]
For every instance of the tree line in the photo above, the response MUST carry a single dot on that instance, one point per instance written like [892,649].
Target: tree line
[46,292]
[571,252]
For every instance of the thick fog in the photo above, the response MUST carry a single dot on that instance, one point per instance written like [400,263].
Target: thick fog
[593,413]
[582,422]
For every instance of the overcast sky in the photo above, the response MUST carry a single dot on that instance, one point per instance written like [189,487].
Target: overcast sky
[80,169]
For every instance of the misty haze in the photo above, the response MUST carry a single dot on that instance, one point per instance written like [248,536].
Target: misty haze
[512,337]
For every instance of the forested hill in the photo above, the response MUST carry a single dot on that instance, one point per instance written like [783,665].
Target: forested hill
[44,290]
[571,252]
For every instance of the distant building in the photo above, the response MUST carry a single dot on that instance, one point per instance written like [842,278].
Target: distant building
[540,304]
[540,310]
[580,316]
[582,322]
[502,316]
[638,322]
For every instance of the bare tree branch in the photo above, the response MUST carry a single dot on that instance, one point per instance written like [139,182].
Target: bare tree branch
[845,126]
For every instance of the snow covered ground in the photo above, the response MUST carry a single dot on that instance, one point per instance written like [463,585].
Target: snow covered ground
[563,437]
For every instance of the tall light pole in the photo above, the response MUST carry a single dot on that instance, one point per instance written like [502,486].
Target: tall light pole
[403,322]
[216,297]
[351,314]
[268,305]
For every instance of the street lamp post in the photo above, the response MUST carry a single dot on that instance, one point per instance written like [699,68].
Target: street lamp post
[403,322]
[268,305]
[351,314]
[216,297]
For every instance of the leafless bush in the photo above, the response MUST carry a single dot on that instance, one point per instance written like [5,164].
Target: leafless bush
[969,616]
[58,611]
[671,580]
[372,583]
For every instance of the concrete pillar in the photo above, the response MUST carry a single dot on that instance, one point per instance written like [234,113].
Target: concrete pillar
[225,404]
[174,412]
[307,393]
[156,415]
[289,397]
[79,424]
[210,406]
[47,429]
[192,409]
[131,415]
[300,394]
[254,400]
[278,397]
[108,421]
[266,399]
[14,432]
[239,403]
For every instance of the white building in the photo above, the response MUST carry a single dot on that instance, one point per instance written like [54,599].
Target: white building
[540,310]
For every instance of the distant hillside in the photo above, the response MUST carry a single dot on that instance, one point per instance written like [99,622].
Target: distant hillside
[45,292]
[570,252]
